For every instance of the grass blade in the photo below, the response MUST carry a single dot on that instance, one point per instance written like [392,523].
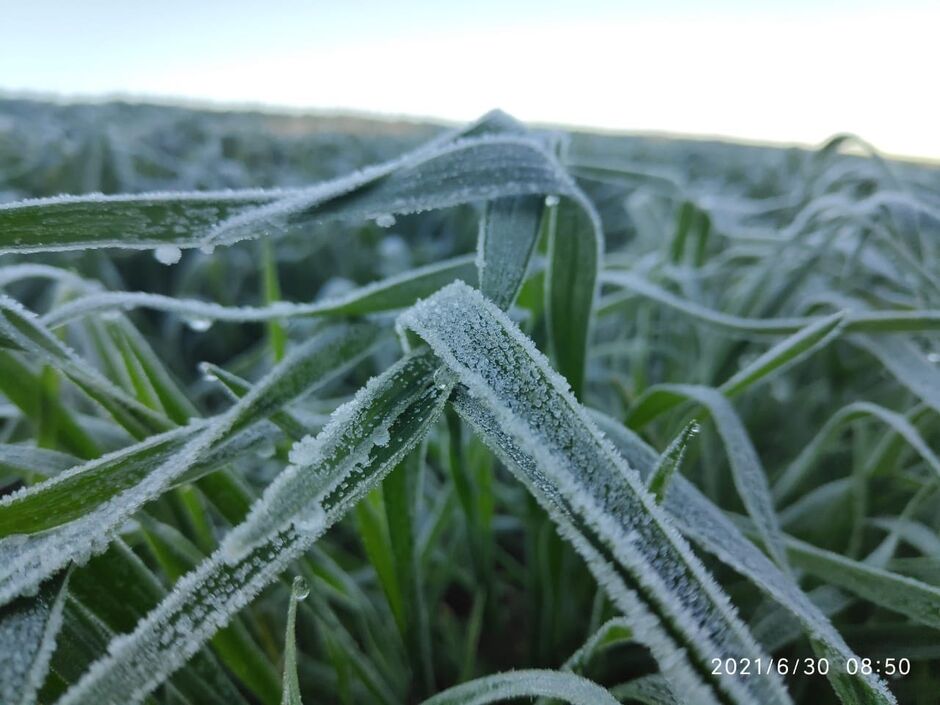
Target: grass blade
[26,562]
[526,414]
[390,294]
[206,598]
[28,630]
[291,685]
[136,221]
[670,461]
[703,522]
[575,250]
[566,687]
[509,230]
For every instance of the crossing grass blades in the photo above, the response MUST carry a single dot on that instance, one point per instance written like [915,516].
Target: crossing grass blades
[515,414]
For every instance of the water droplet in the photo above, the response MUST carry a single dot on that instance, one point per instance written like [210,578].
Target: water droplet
[200,325]
[301,589]
[386,220]
[167,254]
[267,449]
[444,378]
[206,369]
[551,201]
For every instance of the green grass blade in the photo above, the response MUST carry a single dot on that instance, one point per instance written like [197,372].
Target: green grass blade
[290,685]
[611,633]
[808,340]
[704,523]
[393,293]
[206,598]
[27,562]
[649,690]
[29,627]
[137,221]
[670,461]
[525,412]
[784,354]
[24,388]
[30,336]
[575,251]
[176,556]
[747,471]
[509,230]
[271,293]
[912,598]
[795,473]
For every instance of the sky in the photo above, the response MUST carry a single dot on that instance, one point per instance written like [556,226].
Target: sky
[787,71]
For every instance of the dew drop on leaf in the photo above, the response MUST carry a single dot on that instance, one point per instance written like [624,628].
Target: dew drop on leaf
[200,325]
[167,254]
[301,588]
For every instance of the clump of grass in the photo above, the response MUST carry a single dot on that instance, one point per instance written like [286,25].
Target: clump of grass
[431,420]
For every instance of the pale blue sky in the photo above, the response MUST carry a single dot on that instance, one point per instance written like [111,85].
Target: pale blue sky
[792,71]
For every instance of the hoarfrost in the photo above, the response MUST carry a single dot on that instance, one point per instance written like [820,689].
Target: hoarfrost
[26,560]
[324,464]
[28,631]
[706,524]
[527,413]
[204,600]
[337,296]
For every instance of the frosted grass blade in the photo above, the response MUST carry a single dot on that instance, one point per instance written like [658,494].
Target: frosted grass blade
[357,429]
[23,459]
[748,473]
[465,170]
[855,322]
[27,333]
[566,687]
[912,598]
[290,694]
[132,221]
[670,461]
[405,398]
[509,230]
[575,251]
[389,294]
[28,630]
[796,472]
[612,632]
[525,412]
[705,524]
[907,364]
[29,559]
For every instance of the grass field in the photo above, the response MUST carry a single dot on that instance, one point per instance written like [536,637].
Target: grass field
[335,410]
